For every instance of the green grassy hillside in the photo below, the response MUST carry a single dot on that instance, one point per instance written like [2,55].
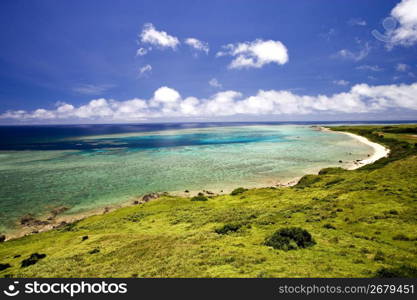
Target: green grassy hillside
[363,223]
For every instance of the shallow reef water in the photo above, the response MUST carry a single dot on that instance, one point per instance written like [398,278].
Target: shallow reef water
[91,167]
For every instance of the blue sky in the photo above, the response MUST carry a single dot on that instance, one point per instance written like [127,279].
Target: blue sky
[77,62]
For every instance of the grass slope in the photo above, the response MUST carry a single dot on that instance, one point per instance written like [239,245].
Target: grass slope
[364,224]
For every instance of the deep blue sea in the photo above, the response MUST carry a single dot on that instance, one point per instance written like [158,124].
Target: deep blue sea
[52,137]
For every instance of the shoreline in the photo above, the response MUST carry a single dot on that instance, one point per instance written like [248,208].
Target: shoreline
[380,151]
[59,221]
[62,220]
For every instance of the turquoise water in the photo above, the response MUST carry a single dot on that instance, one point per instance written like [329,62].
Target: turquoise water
[114,168]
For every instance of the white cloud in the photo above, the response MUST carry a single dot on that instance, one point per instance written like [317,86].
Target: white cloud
[355,56]
[406,14]
[158,38]
[197,44]
[357,22]
[167,102]
[92,89]
[341,82]
[166,95]
[255,54]
[374,68]
[141,52]
[215,83]
[402,67]
[145,69]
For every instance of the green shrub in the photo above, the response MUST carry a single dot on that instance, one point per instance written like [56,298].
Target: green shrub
[33,259]
[327,171]
[379,256]
[238,191]
[4,266]
[334,181]
[199,198]
[290,238]
[403,271]
[402,237]
[307,180]
[328,226]
[392,212]
[68,226]
[227,228]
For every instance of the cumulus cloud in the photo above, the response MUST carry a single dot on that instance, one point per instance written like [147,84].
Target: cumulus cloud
[92,89]
[167,102]
[255,54]
[161,39]
[215,83]
[341,82]
[166,95]
[197,45]
[357,22]
[145,69]
[406,14]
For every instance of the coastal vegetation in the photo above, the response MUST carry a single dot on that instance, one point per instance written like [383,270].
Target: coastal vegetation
[338,223]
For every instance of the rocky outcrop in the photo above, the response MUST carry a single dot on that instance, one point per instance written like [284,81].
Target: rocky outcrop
[147,198]
[150,197]
[30,220]
[59,210]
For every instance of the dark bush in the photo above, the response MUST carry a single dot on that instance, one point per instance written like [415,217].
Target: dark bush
[94,251]
[290,238]
[403,237]
[401,130]
[334,181]
[227,228]
[4,266]
[33,259]
[135,217]
[326,171]
[68,226]
[403,271]
[379,256]
[199,198]
[238,191]
[328,226]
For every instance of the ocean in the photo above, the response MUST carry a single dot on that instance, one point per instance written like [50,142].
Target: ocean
[86,167]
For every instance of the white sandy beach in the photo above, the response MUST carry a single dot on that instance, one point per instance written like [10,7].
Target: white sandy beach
[379,150]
